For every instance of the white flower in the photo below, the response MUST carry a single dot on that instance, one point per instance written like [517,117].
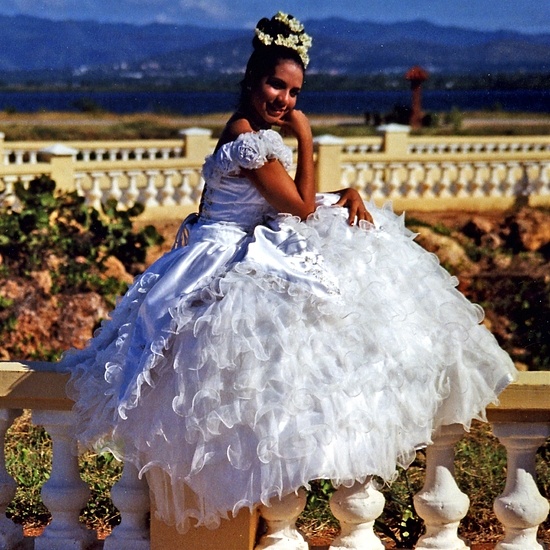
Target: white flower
[297,40]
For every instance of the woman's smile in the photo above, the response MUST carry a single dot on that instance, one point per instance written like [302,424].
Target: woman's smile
[276,94]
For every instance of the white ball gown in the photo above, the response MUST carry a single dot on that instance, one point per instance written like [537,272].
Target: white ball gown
[264,352]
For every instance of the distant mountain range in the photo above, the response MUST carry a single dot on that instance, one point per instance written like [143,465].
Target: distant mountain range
[29,44]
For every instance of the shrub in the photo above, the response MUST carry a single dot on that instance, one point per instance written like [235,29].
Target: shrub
[60,233]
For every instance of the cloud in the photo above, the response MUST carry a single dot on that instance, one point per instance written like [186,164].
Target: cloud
[212,8]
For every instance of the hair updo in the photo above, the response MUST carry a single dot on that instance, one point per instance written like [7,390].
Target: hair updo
[280,38]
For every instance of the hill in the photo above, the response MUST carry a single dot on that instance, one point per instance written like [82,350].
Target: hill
[74,49]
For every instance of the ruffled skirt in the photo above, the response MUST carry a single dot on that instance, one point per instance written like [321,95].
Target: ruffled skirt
[243,365]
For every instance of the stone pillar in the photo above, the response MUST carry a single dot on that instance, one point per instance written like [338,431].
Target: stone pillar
[328,166]
[62,162]
[396,141]
[196,143]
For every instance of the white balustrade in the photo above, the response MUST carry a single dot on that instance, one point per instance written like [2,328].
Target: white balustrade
[440,503]
[357,507]
[65,494]
[449,167]
[280,517]
[521,508]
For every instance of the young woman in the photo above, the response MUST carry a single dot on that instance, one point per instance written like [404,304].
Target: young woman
[288,336]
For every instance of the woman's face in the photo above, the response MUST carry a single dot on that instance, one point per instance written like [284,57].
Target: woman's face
[276,94]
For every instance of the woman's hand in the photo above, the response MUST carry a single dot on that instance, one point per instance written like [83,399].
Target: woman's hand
[350,199]
[295,123]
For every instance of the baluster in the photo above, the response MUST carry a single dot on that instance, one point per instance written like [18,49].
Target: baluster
[356,508]
[95,194]
[19,156]
[447,189]
[114,187]
[65,494]
[347,174]
[432,175]
[165,153]
[113,153]
[409,186]
[512,179]
[377,181]
[99,153]
[496,178]
[131,496]
[185,190]
[132,192]
[464,175]
[521,508]
[86,155]
[124,154]
[78,178]
[440,503]
[480,182]
[33,157]
[151,191]
[167,191]
[360,181]
[280,517]
[395,178]
[152,153]
[8,198]
[544,178]
[138,152]
[10,533]
[197,191]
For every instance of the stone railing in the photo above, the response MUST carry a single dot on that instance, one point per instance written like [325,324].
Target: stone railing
[521,422]
[415,172]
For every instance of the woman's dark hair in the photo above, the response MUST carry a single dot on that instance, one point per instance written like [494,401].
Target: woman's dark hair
[264,58]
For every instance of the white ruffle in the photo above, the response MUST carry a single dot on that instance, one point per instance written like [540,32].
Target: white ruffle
[306,350]
[249,151]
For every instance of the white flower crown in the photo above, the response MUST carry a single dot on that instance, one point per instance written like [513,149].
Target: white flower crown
[299,41]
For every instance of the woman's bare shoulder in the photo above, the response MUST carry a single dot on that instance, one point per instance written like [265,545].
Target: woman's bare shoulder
[233,129]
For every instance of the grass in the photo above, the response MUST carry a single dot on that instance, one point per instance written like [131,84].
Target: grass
[108,126]
[480,473]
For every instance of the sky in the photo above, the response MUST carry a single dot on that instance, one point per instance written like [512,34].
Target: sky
[528,16]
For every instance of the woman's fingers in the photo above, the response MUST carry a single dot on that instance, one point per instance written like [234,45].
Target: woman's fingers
[350,199]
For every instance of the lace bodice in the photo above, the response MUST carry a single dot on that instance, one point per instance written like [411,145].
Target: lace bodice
[230,197]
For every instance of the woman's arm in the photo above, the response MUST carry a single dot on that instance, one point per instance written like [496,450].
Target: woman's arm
[296,197]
